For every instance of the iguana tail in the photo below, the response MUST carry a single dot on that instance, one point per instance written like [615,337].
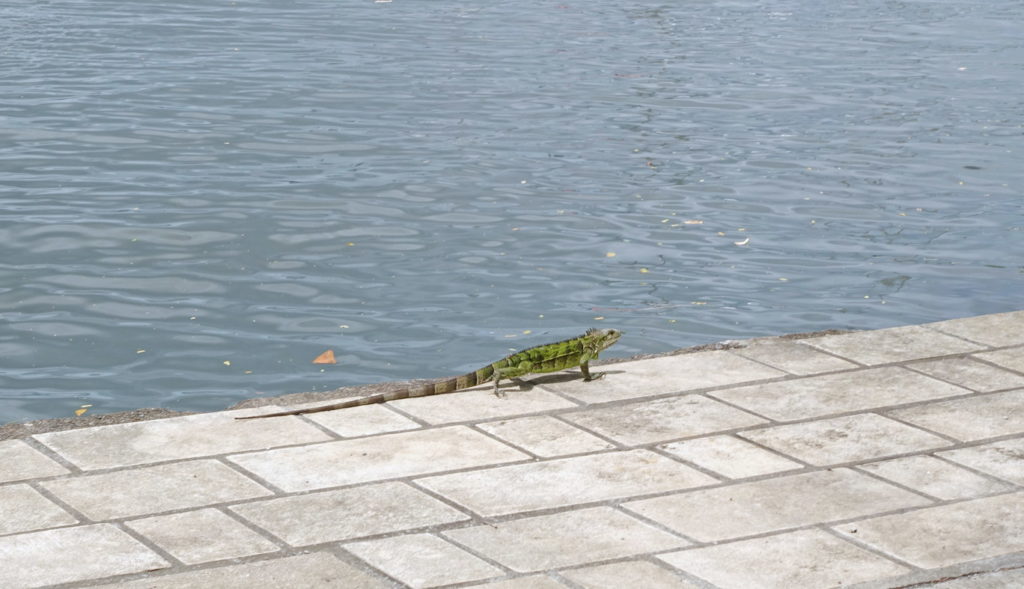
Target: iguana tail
[450,385]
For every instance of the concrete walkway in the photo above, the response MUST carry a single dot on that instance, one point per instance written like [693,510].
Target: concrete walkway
[891,458]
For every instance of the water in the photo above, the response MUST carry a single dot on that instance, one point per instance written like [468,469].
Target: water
[198,198]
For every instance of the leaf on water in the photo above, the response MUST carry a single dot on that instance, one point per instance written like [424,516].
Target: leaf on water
[610,255]
[693,222]
[81,410]
[325,358]
[744,242]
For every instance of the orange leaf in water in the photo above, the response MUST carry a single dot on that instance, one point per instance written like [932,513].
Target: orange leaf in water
[325,358]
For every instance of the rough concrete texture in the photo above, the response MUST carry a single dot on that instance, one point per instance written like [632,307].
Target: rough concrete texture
[889,458]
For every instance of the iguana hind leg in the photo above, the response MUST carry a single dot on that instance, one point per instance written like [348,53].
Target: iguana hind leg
[499,393]
[510,372]
[498,375]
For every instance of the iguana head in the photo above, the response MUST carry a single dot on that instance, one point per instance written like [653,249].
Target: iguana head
[603,338]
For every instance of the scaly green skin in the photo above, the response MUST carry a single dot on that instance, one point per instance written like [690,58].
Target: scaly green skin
[578,351]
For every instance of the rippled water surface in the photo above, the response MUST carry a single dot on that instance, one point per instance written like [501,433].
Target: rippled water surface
[197,198]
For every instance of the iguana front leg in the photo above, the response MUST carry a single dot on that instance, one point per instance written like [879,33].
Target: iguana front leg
[585,368]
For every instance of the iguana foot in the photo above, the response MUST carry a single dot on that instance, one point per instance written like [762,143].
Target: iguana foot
[594,376]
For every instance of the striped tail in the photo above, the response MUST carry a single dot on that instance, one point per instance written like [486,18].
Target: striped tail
[437,388]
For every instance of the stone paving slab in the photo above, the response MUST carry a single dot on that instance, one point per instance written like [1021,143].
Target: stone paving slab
[423,560]
[995,330]
[565,482]
[1000,579]
[647,422]
[896,344]
[526,582]
[19,461]
[176,533]
[355,512]
[819,396]
[632,573]
[971,373]
[23,509]
[303,468]
[936,477]
[482,404]
[320,569]
[774,504]
[1011,358]
[971,418]
[564,539]
[176,438]
[880,459]
[153,489]
[845,439]
[793,357]
[62,555]
[804,558]
[999,459]
[545,436]
[363,421]
[961,532]
[730,456]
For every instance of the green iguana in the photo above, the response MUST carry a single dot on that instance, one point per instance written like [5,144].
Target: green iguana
[578,351]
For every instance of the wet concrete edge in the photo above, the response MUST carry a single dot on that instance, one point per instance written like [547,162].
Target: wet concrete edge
[17,430]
